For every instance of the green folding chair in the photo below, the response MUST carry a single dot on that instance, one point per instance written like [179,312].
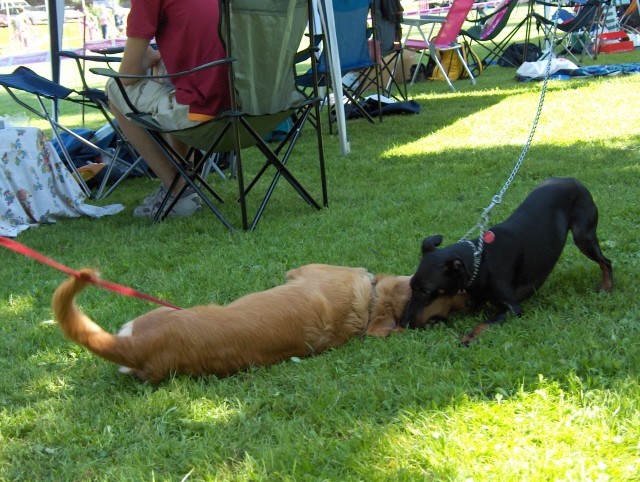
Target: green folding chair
[262,42]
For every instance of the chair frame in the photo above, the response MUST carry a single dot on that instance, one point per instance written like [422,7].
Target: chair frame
[91,98]
[625,18]
[451,22]
[584,21]
[500,16]
[390,56]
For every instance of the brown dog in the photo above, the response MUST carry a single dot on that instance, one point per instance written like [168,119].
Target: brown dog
[319,307]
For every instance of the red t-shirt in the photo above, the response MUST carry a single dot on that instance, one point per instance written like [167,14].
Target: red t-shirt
[187,35]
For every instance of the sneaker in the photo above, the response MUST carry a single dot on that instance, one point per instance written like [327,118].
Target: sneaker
[188,204]
[145,209]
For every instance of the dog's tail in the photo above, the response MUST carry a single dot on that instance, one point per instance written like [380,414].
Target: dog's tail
[79,328]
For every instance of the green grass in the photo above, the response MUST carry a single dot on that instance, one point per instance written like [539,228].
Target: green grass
[551,396]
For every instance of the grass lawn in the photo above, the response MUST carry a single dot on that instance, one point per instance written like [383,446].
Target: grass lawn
[553,395]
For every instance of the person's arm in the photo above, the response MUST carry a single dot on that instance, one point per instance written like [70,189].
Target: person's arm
[138,57]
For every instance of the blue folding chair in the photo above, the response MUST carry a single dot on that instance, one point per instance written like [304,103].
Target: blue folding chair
[359,68]
[121,161]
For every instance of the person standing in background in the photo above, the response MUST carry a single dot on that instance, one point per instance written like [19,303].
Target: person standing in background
[104,22]
[22,28]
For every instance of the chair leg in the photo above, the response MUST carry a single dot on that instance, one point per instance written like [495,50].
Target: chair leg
[211,165]
[273,158]
[190,177]
[433,53]
[401,86]
[465,66]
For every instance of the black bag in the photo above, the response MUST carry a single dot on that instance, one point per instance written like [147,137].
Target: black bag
[517,53]
[423,73]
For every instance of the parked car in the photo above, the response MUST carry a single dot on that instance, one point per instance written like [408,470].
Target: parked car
[12,7]
[37,15]
[33,15]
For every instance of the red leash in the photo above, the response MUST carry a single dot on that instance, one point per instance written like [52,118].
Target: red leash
[116,288]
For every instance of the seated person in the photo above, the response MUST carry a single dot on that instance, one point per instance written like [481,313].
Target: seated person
[186,33]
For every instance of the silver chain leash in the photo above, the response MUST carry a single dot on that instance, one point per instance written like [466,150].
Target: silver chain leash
[483,219]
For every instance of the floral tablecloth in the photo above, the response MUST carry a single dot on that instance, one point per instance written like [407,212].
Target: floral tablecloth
[36,186]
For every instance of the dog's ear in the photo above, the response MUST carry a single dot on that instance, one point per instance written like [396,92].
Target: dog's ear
[456,273]
[456,266]
[430,243]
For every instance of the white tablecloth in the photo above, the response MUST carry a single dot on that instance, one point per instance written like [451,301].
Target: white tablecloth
[36,186]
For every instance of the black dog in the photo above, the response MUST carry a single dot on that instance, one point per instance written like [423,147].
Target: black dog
[516,257]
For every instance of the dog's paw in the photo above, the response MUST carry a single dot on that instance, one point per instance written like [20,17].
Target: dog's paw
[466,340]
[474,334]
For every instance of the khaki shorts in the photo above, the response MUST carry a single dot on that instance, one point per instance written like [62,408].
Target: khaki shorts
[155,98]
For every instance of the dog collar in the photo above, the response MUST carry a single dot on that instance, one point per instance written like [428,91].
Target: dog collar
[372,298]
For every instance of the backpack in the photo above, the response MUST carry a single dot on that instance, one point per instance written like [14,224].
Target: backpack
[451,63]
[88,160]
[78,151]
[422,72]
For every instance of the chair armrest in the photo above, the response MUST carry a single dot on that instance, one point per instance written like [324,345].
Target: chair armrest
[93,58]
[433,18]
[116,75]
[109,50]
[422,20]
[305,54]
[80,59]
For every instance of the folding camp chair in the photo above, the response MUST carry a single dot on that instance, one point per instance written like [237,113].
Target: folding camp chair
[388,22]
[627,18]
[445,39]
[487,28]
[359,69]
[121,161]
[579,28]
[261,47]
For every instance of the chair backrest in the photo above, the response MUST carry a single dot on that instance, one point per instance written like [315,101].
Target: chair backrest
[388,23]
[265,37]
[350,17]
[452,25]
[585,16]
[627,16]
[27,80]
[497,20]
[264,41]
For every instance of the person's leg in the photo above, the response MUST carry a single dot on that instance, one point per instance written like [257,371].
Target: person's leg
[150,96]
[150,152]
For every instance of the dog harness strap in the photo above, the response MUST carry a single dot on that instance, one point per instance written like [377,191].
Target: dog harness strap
[116,288]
